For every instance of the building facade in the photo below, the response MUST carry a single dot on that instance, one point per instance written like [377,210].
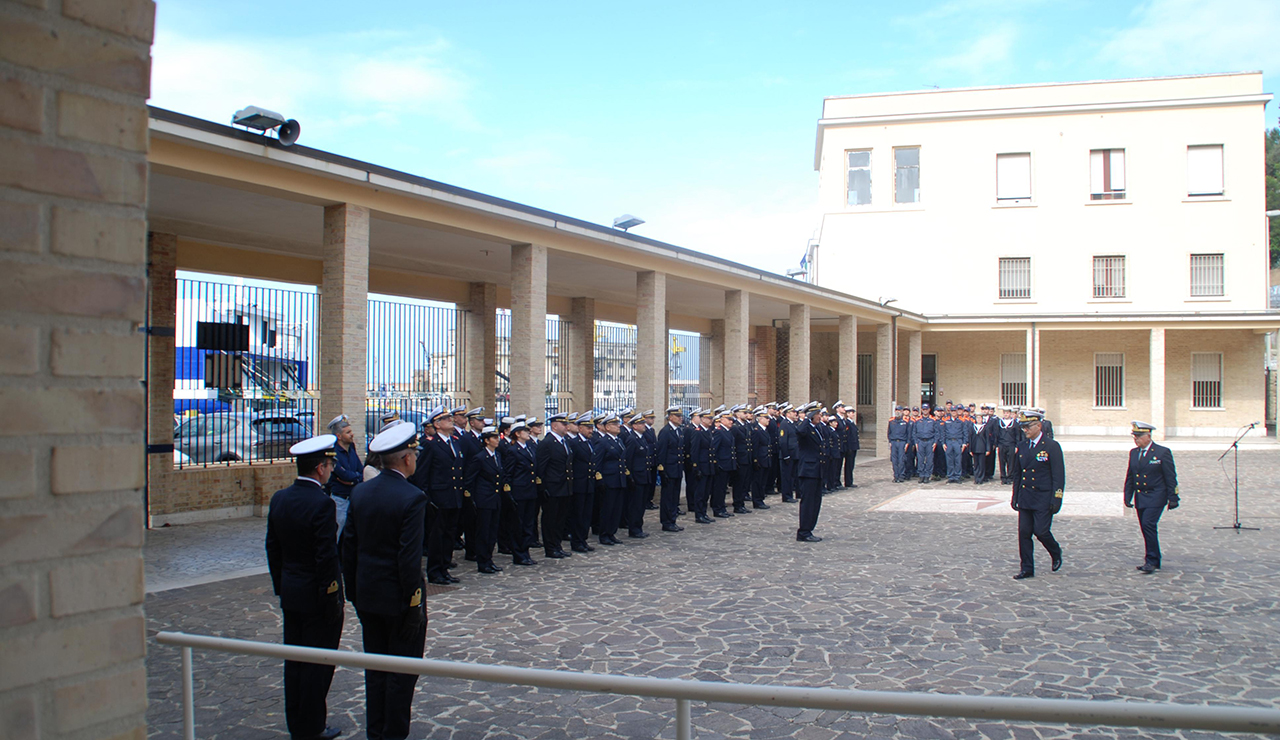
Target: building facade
[1098,249]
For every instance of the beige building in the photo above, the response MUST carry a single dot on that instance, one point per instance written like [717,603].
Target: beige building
[1097,248]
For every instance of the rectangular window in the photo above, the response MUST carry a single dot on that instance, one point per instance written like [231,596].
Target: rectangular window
[1108,277]
[1206,380]
[866,379]
[1206,275]
[1013,177]
[1108,380]
[906,175]
[1013,379]
[1015,277]
[859,177]
[1106,174]
[1204,170]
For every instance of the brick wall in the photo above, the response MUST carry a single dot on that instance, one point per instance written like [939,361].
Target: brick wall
[969,363]
[74,78]
[824,367]
[1066,378]
[1243,382]
[222,492]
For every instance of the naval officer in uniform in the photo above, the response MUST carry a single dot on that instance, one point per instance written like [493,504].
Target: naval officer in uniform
[382,569]
[1038,481]
[302,555]
[1150,485]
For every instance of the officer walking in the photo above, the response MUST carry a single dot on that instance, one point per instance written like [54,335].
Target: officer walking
[670,455]
[1038,481]
[382,569]
[898,432]
[1150,485]
[302,555]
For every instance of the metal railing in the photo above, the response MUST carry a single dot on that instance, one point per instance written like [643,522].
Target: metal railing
[1054,711]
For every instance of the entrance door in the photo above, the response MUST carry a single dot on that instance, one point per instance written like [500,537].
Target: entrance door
[929,380]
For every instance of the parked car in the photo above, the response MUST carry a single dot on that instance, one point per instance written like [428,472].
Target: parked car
[225,436]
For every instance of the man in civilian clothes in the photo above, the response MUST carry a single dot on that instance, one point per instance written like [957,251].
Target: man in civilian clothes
[1150,485]
[669,453]
[302,555]
[760,446]
[809,471]
[382,569]
[555,482]
[788,451]
[439,473]
[484,481]
[348,469]
[1039,479]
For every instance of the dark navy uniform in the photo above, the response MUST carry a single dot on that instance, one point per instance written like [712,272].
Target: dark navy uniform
[484,481]
[809,465]
[788,452]
[725,463]
[1007,436]
[670,453]
[585,474]
[701,472]
[440,474]
[1150,485]
[760,464]
[981,445]
[744,457]
[851,446]
[1039,478]
[899,433]
[613,485]
[555,482]
[521,500]
[640,463]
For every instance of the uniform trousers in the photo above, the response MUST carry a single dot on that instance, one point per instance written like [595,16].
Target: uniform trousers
[466,525]
[580,506]
[611,502]
[924,459]
[939,460]
[787,478]
[306,685]
[954,455]
[909,462]
[897,456]
[810,505]
[1006,453]
[444,532]
[849,458]
[759,477]
[389,696]
[719,490]
[700,486]
[773,481]
[979,466]
[669,502]
[1148,519]
[990,470]
[522,527]
[741,485]
[633,506]
[555,511]
[483,534]
[1035,523]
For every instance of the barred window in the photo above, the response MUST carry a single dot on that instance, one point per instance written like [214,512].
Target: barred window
[1013,378]
[1108,380]
[1015,277]
[1108,277]
[1206,275]
[866,379]
[1206,380]
[859,177]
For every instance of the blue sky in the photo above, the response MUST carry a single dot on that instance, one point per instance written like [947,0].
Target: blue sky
[697,117]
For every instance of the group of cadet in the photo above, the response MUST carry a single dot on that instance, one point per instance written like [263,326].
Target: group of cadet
[954,442]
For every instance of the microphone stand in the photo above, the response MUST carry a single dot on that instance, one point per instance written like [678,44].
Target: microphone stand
[1235,450]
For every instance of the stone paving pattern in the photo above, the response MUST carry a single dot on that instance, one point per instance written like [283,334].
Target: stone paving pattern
[898,601]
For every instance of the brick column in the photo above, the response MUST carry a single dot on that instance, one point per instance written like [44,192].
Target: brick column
[798,372]
[651,341]
[73,294]
[884,400]
[715,364]
[162,284]
[848,361]
[480,351]
[914,379]
[764,382]
[344,320]
[1157,383]
[528,329]
[582,349]
[737,339]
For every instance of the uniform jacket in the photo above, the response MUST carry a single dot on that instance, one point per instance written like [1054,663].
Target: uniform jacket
[440,472]
[651,436]
[348,471]
[554,463]
[1151,482]
[926,431]
[586,463]
[471,445]
[899,430]
[382,545]
[485,478]
[788,445]
[1038,474]
[520,466]
[742,444]
[723,449]
[670,450]
[640,460]
[852,443]
[700,460]
[302,547]
[809,458]
[1008,436]
[984,438]
[613,465]
[760,446]
[957,432]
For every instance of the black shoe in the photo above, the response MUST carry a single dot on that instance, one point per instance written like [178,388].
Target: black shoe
[788,499]
[604,540]
[581,548]
[672,528]
[439,581]
[504,551]
[855,485]
[761,505]
[703,519]
[329,733]
[808,538]
[537,543]
[722,515]
[1024,574]
[452,564]
[740,510]
[526,560]
[1057,562]
[650,506]
[454,579]
[552,555]
[564,554]
[638,535]
[679,512]
[489,569]
[1147,568]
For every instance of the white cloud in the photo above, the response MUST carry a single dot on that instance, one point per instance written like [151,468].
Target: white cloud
[982,57]
[1187,36]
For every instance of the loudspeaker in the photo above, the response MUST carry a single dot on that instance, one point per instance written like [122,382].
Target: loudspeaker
[289,132]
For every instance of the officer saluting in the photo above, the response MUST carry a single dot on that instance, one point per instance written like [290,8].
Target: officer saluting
[1150,484]
[302,555]
[1038,481]
[382,567]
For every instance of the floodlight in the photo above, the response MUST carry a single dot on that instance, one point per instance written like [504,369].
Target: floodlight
[287,131]
[626,221]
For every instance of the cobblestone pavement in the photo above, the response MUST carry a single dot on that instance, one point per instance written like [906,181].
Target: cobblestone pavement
[190,555]
[890,600]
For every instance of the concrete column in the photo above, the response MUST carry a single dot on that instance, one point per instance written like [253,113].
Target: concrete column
[344,307]
[715,364]
[884,400]
[651,341]
[1033,366]
[582,351]
[528,329]
[914,379]
[480,350]
[847,362]
[798,372]
[737,341]
[1157,383]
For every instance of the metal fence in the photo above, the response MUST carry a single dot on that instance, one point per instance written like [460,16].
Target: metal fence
[556,368]
[615,365]
[683,692]
[244,371]
[688,365]
[415,362]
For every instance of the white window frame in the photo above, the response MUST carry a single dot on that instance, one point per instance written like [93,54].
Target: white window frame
[1001,272]
[1194,380]
[1010,193]
[1103,182]
[1013,379]
[1202,181]
[870,182]
[1120,380]
[1207,269]
[1108,271]
[897,169]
